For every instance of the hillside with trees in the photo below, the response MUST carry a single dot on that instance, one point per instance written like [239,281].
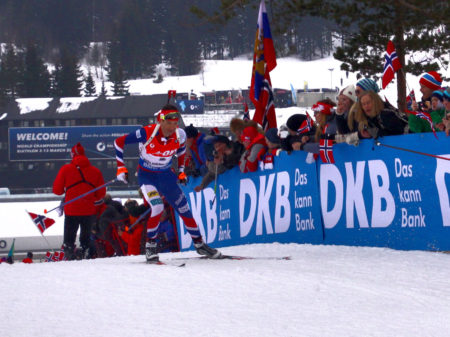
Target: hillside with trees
[127,40]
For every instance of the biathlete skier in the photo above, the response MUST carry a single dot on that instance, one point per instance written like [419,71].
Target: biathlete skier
[158,143]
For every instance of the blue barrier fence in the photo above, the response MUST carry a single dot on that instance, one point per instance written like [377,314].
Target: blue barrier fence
[372,196]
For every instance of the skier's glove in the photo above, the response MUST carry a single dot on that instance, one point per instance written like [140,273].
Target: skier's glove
[122,174]
[182,178]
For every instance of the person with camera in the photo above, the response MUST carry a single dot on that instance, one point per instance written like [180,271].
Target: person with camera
[226,156]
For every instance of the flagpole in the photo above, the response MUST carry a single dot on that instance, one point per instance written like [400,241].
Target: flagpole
[81,196]
[42,234]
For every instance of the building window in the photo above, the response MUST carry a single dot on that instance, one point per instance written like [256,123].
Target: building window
[49,166]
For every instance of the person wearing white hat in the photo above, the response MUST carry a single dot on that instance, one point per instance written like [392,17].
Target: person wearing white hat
[346,98]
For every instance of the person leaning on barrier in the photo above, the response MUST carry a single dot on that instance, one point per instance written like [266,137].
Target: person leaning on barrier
[255,147]
[297,134]
[195,159]
[374,120]
[446,118]
[344,119]
[237,125]
[326,125]
[429,82]
[273,142]
[226,156]
[437,109]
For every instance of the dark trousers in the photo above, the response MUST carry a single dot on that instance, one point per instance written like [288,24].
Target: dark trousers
[71,224]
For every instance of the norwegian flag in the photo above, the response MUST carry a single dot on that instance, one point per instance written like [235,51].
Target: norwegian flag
[426,116]
[306,126]
[411,97]
[54,256]
[41,222]
[391,64]
[246,112]
[58,256]
[48,257]
[326,151]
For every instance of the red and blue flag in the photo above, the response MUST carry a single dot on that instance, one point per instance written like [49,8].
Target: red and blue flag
[41,222]
[306,126]
[264,61]
[391,64]
[326,151]
[426,116]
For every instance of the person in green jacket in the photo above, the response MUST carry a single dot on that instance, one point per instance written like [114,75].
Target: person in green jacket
[446,118]
[429,83]
[437,109]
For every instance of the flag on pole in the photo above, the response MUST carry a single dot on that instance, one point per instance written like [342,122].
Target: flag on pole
[54,256]
[246,112]
[411,97]
[41,222]
[11,250]
[426,116]
[264,61]
[326,151]
[48,257]
[306,125]
[391,64]
[294,95]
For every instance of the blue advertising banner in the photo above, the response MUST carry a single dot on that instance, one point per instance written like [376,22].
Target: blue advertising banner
[279,205]
[55,143]
[380,196]
[195,107]
[392,194]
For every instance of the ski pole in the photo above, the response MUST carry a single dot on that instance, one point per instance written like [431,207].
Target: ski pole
[377,143]
[215,186]
[81,196]
[142,216]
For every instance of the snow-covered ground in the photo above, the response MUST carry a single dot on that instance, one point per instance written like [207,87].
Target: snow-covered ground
[323,291]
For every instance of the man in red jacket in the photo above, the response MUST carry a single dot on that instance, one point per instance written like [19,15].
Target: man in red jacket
[75,179]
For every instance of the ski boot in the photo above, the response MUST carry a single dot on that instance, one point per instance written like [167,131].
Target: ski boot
[69,252]
[151,251]
[203,249]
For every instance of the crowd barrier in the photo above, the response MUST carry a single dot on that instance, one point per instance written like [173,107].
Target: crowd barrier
[374,195]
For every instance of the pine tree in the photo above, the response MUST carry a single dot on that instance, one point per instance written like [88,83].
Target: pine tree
[103,91]
[11,72]
[119,84]
[36,77]
[67,77]
[89,85]
[183,47]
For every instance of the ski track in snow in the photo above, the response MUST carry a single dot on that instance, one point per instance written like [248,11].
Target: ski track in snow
[322,291]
